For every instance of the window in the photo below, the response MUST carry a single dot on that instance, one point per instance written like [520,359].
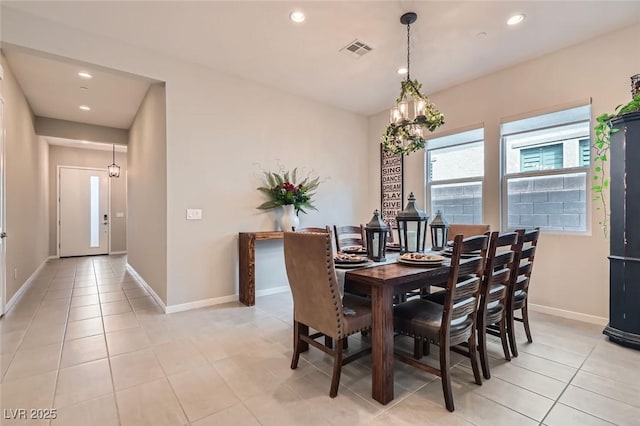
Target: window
[546,162]
[455,169]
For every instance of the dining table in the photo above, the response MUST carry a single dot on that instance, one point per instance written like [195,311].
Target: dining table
[382,282]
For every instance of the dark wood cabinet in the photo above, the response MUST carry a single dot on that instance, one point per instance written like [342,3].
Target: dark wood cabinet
[624,275]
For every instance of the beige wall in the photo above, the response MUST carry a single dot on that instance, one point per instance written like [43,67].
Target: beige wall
[147,191]
[220,131]
[571,272]
[80,131]
[26,187]
[79,157]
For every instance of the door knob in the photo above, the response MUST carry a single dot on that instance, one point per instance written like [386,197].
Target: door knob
[3,235]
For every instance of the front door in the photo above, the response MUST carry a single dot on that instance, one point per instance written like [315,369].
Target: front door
[83,208]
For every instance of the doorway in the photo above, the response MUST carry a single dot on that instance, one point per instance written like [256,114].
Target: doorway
[83,211]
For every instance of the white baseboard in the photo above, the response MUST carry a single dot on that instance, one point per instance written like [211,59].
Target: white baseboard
[274,290]
[144,284]
[592,319]
[53,257]
[201,303]
[25,286]
[117,252]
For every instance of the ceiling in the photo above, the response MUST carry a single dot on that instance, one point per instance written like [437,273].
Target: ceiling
[72,143]
[257,41]
[54,89]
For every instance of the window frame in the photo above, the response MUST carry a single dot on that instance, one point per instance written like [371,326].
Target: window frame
[505,177]
[473,179]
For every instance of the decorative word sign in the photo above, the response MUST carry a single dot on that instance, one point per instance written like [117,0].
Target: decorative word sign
[392,180]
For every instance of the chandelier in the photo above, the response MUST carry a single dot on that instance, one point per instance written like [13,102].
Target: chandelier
[413,111]
[113,168]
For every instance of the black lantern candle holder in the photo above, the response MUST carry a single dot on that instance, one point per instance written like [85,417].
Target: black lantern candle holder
[376,231]
[412,227]
[439,232]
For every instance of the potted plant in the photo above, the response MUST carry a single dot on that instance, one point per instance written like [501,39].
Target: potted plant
[603,130]
[283,190]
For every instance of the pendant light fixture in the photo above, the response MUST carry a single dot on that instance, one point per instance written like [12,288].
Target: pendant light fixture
[114,169]
[413,112]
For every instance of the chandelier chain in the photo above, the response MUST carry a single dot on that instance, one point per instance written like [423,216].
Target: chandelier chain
[408,52]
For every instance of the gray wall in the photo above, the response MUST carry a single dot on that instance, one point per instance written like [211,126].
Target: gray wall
[458,204]
[27,217]
[147,192]
[78,157]
[80,131]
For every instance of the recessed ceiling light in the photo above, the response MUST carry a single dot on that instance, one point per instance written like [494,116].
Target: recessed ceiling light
[516,19]
[297,16]
[402,71]
[84,74]
[85,108]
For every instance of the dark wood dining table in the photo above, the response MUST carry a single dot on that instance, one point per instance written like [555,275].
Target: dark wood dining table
[382,283]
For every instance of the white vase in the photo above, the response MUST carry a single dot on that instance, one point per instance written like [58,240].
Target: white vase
[289,219]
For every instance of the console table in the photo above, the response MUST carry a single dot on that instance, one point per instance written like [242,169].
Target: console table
[247,263]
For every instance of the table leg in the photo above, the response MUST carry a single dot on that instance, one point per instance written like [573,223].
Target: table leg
[247,268]
[382,344]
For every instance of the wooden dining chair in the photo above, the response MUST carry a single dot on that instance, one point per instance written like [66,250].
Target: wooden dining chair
[519,294]
[500,269]
[467,230]
[451,323]
[348,235]
[317,302]
[318,230]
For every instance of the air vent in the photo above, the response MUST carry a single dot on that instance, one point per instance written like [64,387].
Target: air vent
[356,49]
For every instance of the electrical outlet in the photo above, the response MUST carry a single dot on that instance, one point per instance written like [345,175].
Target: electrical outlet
[194,214]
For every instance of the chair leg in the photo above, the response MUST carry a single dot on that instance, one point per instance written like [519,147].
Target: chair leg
[297,347]
[328,342]
[426,347]
[473,356]
[337,370]
[417,347]
[445,374]
[482,349]
[511,332]
[504,339]
[525,321]
[345,343]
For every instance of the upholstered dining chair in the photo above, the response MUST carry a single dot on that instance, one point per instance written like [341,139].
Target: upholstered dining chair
[467,230]
[317,303]
[519,295]
[451,323]
[348,235]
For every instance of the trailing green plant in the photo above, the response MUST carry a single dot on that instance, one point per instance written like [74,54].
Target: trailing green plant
[601,143]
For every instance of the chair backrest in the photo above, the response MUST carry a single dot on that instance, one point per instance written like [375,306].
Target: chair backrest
[500,268]
[529,240]
[349,235]
[325,230]
[467,230]
[463,285]
[316,297]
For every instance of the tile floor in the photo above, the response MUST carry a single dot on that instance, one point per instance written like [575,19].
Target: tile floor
[87,340]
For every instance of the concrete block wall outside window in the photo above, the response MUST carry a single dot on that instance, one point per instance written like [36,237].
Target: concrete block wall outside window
[455,169]
[552,195]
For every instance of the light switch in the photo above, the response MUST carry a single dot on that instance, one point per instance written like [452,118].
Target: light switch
[119,214]
[194,214]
